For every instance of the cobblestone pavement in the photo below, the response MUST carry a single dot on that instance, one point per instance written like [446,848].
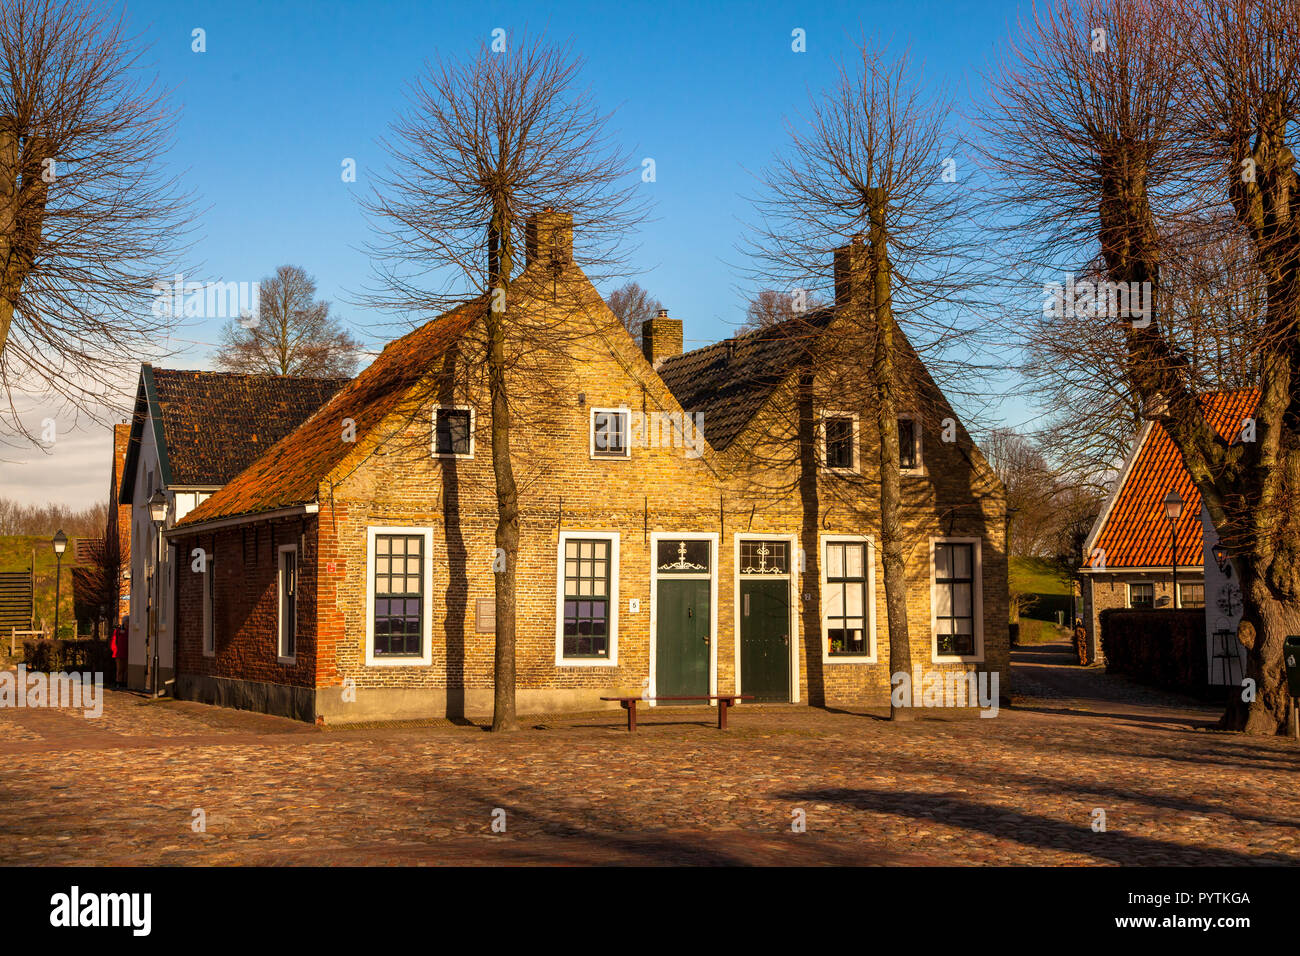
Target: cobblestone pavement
[1018,789]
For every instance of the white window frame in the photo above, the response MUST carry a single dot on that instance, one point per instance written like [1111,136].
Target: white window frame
[870,542]
[209,606]
[919,434]
[1128,595]
[612,660]
[433,427]
[822,416]
[1191,584]
[426,624]
[977,604]
[280,656]
[591,434]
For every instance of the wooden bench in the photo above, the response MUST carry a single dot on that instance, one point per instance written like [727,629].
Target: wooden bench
[724,702]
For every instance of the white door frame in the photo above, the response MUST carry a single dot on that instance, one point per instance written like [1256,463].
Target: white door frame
[792,591]
[712,538]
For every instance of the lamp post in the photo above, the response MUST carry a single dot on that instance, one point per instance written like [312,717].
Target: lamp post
[1174,511]
[157,514]
[60,545]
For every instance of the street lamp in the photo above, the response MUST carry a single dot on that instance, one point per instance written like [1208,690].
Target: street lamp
[1174,511]
[60,545]
[157,514]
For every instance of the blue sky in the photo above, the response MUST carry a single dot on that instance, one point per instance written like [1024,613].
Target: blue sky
[287,90]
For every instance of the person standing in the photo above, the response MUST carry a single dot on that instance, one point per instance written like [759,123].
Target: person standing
[1080,641]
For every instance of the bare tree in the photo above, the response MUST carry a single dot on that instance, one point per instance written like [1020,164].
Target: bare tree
[770,306]
[292,333]
[1114,122]
[633,305]
[488,145]
[88,217]
[1031,491]
[867,173]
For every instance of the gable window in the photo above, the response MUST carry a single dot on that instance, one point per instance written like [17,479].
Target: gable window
[453,432]
[839,443]
[587,600]
[1142,595]
[1191,595]
[609,433]
[909,444]
[288,603]
[847,597]
[209,607]
[956,599]
[399,595]
[399,587]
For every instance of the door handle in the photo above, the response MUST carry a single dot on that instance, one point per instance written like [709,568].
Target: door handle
[785,639]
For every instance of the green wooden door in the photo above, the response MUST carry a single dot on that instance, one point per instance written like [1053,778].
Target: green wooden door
[682,639]
[765,639]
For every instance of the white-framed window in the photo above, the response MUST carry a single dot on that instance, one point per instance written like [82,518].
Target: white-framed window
[209,606]
[1142,594]
[956,600]
[586,599]
[838,438]
[287,589]
[848,585]
[453,431]
[910,460]
[399,586]
[1191,595]
[610,433]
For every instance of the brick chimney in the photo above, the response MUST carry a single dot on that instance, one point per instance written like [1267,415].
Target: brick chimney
[661,338]
[852,271]
[548,238]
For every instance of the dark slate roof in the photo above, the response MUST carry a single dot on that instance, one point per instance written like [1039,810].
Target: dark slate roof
[210,426]
[728,381]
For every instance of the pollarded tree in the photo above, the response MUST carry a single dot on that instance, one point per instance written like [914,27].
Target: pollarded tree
[488,144]
[1115,120]
[88,216]
[869,180]
[292,333]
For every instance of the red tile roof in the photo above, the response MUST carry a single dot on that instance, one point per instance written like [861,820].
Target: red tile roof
[290,472]
[1135,532]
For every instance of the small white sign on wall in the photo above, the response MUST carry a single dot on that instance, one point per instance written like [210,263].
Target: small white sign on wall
[634,606]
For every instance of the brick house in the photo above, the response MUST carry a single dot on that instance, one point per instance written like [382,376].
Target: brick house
[119,525]
[191,432]
[1128,555]
[350,568]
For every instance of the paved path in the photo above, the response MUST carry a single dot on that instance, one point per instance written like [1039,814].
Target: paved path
[1021,788]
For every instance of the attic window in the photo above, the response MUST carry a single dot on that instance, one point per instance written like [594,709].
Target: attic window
[909,444]
[453,432]
[839,434]
[609,433]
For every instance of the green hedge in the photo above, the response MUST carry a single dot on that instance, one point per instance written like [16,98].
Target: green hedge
[1165,648]
[52,657]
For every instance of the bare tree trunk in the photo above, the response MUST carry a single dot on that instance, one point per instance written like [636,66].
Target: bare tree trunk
[507,533]
[891,536]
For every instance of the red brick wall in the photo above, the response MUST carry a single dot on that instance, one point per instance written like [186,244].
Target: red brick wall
[246,605]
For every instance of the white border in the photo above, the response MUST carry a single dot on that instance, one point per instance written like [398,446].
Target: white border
[712,538]
[560,659]
[591,434]
[792,580]
[870,541]
[279,603]
[824,414]
[426,625]
[433,427]
[977,609]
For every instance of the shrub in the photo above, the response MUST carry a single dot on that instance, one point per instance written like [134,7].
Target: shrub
[51,657]
[1165,648]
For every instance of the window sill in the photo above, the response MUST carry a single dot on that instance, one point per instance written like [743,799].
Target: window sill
[829,658]
[286,661]
[452,454]
[585,662]
[399,662]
